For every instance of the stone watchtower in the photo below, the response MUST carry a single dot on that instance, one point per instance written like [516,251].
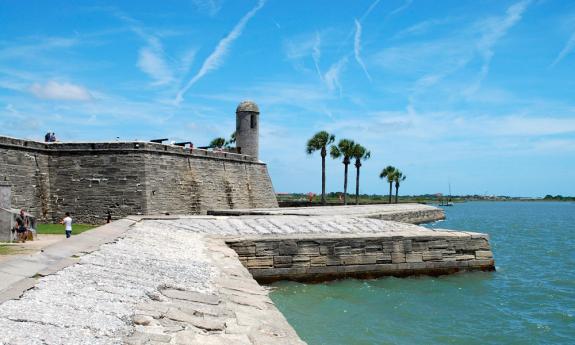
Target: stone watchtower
[247,128]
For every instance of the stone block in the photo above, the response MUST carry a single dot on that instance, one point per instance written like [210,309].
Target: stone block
[326,249]
[407,245]
[373,248]
[349,259]
[245,250]
[288,247]
[413,257]
[483,254]
[397,257]
[267,248]
[282,261]
[368,259]
[418,246]
[432,255]
[438,244]
[318,260]
[260,262]
[464,257]
[343,250]
[383,258]
[332,260]
[398,247]
[308,249]
[301,261]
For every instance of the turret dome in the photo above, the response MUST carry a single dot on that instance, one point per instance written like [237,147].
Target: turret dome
[248,106]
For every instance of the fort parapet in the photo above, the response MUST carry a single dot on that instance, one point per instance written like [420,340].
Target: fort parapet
[127,178]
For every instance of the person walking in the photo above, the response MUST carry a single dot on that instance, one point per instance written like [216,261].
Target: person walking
[67,221]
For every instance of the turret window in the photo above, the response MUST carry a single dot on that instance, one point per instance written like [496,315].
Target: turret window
[254,121]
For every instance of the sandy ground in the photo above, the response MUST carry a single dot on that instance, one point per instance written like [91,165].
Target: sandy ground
[42,241]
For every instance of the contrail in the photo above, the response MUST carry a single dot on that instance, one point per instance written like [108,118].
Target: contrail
[357,48]
[214,60]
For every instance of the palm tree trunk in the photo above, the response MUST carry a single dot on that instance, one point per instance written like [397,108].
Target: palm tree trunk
[357,185]
[345,186]
[323,154]
[396,189]
[390,193]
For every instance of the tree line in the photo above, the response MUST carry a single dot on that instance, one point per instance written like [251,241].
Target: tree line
[347,150]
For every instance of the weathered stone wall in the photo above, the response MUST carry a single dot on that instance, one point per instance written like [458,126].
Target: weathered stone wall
[324,257]
[193,185]
[90,179]
[24,166]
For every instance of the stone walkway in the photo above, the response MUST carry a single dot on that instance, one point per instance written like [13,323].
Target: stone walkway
[349,210]
[161,281]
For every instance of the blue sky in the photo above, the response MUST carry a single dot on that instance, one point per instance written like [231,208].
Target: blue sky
[479,94]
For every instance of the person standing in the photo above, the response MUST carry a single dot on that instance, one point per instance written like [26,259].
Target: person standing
[67,221]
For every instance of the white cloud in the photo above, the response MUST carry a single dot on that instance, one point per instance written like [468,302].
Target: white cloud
[357,48]
[214,60]
[332,76]
[60,91]
[151,62]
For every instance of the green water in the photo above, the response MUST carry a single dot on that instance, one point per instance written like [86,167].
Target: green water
[529,300]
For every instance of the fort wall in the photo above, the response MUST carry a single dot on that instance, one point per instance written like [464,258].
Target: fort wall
[124,178]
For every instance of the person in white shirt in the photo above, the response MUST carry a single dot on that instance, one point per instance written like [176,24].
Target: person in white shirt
[67,221]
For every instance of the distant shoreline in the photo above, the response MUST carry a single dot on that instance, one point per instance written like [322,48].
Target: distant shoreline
[302,200]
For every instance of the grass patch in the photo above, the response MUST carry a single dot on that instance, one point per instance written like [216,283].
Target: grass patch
[5,250]
[58,229]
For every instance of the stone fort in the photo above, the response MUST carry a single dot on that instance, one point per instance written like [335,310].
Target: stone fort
[91,180]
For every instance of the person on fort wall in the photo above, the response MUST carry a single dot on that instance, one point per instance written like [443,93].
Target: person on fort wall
[67,221]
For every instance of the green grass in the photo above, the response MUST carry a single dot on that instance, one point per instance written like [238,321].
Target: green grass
[58,229]
[5,250]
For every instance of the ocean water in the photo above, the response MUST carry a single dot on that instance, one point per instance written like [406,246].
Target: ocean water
[530,299]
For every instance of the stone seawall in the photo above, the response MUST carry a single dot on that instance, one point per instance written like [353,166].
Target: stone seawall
[325,257]
[405,213]
[414,217]
[90,179]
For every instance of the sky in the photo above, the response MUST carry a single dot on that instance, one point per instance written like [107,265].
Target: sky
[477,95]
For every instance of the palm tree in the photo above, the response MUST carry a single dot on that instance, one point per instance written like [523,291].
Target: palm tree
[320,141]
[359,153]
[231,141]
[389,173]
[398,177]
[344,148]
[217,143]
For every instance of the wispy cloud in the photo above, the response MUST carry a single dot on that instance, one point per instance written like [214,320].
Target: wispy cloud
[369,9]
[211,7]
[332,76]
[357,48]
[316,53]
[565,51]
[214,60]
[151,62]
[151,58]
[54,90]
[493,30]
[420,28]
[401,8]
